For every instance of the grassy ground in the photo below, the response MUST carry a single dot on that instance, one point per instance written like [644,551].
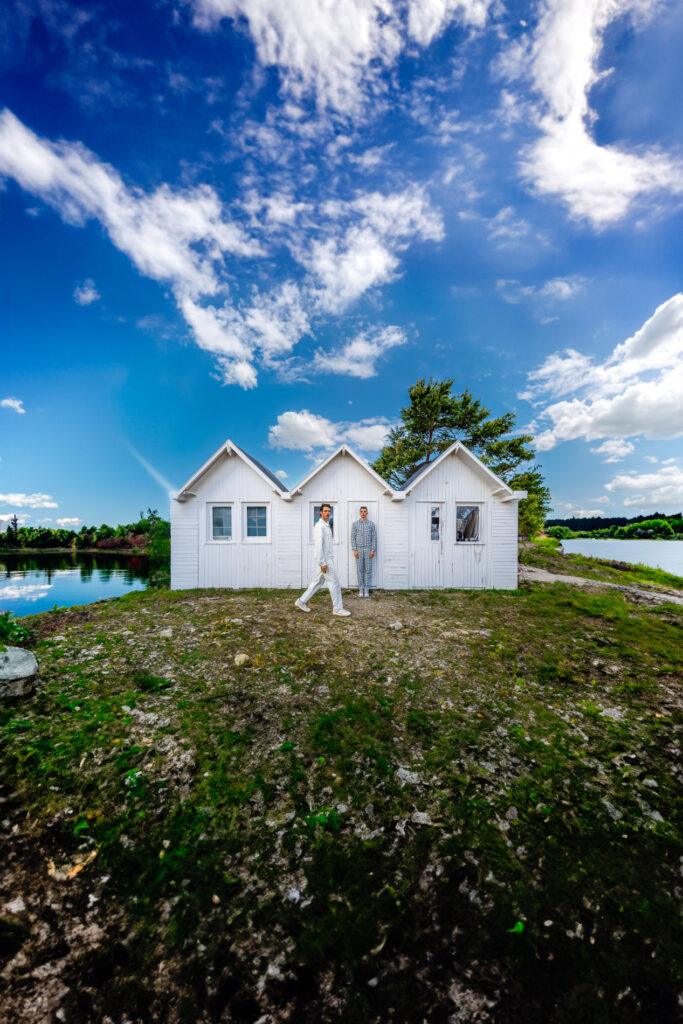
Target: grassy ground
[452,807]
[546,554]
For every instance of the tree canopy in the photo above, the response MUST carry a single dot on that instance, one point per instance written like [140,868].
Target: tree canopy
[435,418]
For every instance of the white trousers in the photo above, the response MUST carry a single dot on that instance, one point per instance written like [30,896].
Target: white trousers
[327,579]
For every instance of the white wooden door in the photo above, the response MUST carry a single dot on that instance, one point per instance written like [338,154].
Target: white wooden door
[428,544]
[353,513]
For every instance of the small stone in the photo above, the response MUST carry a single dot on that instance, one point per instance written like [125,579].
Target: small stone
[650,783]
[421,818]
[616,714]
[407,776]
[396,626]
[241,659]
[512,814]
[18,673]
[166,633]
[15,906]
[294,895]
[373,982]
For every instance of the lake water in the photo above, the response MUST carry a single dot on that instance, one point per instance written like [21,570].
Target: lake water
[659,554]
[36,583]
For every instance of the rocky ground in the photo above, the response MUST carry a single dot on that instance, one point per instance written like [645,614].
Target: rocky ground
[451,807]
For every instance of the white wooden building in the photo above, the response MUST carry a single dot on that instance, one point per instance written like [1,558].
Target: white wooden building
[454,524]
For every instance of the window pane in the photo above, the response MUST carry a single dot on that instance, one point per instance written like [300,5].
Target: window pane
[222,522]
[316,517]
[435,521]
[257,521]
[467,522]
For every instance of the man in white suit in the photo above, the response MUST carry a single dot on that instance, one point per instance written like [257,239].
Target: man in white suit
[323,546]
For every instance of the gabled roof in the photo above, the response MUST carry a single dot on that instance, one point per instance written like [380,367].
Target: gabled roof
[342,450]
[457,446]
[229,448]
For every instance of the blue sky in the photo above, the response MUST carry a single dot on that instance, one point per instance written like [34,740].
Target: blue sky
[264,221]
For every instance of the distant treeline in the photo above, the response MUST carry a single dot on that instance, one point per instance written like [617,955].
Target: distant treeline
[654,526]
[150,535]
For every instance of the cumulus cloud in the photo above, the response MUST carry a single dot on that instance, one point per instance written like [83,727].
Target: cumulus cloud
[281,474]
[638,389]
[305,431]
[86,293]
[13,403]
[662,489]
[357,358]
[615,449]
[69,522]
[28,500]
[598,183]
[337,51]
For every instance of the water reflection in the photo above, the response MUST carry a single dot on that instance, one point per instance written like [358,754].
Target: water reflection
[32,583]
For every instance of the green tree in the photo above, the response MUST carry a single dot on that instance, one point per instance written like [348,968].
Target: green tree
[534,509]
[434,419]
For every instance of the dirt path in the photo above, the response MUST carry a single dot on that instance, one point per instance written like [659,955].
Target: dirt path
[649,595]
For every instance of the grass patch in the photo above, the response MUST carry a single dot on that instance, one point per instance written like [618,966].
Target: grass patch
[359,823]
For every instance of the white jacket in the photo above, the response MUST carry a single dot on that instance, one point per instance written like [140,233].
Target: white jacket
[323,543]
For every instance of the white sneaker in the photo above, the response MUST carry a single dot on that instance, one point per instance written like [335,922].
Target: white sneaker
[367,593]
[341,611]
[361,593]
[301,606]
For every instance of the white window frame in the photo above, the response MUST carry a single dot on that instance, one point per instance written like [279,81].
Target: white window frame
[210,506]
[481,505]
[311,525]
[260,503]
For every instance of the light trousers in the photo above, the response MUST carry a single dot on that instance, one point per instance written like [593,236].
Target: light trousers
[327,579]
[364,567]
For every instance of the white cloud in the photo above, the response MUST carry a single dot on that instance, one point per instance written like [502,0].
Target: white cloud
[583,513]
[281,474]
[506,229]
[337,51]
[598,183]
[615,449]
[662,489]
[368,435]
[651,458]
[362,251]
[305,431]
[181,237]
[558,289]
[428,18]
[28,500]
[13,403]
[7,517]
[638,389]
[357,358]
[86,293]
[69,522]
[177,236]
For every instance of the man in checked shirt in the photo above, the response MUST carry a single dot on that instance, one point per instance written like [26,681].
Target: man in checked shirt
[364,544]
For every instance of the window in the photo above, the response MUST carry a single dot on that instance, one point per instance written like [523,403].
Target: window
[257,521]
[316,517]
[467,523]
[221,522]
[435,523]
